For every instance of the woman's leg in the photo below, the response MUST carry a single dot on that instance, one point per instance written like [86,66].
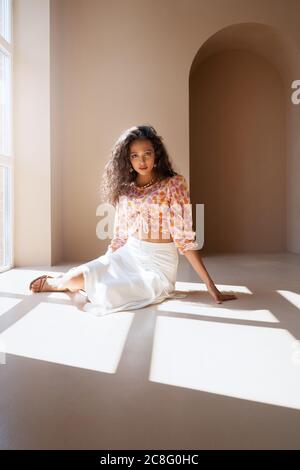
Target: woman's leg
[71,281]
[76,282]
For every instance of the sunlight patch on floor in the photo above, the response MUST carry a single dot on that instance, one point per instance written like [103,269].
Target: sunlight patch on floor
[7,303]
[16,281]
[292,297]
[247,362]
[64,335]
[198,286]
[197,308]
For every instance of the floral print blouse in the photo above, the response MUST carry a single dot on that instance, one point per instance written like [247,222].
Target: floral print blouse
[164,209]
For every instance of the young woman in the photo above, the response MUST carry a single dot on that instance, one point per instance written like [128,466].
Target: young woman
[153,219]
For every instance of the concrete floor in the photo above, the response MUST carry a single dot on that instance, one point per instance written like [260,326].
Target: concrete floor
[183,374]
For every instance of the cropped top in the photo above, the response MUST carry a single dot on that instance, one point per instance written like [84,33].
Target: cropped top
[162,208]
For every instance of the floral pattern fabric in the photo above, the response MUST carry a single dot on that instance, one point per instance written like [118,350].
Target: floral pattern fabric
[163,209]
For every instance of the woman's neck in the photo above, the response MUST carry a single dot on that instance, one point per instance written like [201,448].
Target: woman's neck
[143,179]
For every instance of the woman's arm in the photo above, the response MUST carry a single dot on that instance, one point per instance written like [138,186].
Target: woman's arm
[195,259]
[120,232]
[181,229]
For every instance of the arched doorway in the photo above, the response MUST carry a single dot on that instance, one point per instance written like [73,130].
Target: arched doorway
[238,139]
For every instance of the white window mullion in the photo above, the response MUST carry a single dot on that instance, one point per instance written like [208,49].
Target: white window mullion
[6,139]
[6,19]
[5,46]
[6,161]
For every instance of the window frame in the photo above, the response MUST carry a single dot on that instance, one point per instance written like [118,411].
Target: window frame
[7,160]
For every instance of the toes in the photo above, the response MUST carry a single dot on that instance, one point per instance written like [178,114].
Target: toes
[35,285]
[43,286]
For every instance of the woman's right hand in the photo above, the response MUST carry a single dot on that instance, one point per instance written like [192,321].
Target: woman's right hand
[218,296]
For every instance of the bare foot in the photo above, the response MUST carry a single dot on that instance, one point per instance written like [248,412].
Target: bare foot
[41,285]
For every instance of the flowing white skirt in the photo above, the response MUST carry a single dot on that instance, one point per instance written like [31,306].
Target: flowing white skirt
[139,273]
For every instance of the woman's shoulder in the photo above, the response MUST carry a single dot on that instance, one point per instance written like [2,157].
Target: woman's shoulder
[177,180]
[174,179]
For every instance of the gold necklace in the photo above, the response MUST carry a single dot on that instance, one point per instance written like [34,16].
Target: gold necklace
[146,185]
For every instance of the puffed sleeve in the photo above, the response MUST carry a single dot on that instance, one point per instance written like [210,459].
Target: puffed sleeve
[180,218]
[120,231]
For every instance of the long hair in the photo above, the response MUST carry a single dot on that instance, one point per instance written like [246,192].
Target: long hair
[117,176]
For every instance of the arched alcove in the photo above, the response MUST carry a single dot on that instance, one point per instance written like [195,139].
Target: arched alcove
[242,144]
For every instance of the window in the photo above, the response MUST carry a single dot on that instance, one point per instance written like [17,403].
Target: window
[6,151]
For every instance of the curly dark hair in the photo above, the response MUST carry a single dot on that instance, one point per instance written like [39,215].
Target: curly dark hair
[117,176]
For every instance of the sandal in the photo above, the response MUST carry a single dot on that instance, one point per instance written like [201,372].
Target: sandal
[42,282]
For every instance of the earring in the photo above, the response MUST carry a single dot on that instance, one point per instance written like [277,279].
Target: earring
[154,164]
[131,170]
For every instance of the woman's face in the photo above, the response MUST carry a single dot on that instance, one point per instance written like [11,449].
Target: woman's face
[142,156]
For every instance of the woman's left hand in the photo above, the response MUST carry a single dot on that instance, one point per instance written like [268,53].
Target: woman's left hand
[219,296]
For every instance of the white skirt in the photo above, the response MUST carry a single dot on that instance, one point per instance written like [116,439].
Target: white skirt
[137,274]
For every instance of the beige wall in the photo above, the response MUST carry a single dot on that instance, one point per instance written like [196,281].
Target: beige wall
[115,64]
[31,121]
[57,119]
